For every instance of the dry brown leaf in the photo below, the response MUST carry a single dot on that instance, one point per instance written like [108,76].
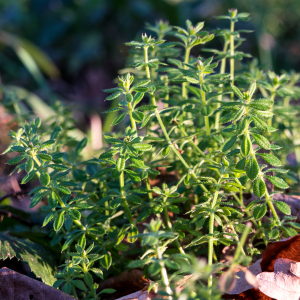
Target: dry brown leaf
[282,283]
[140,295]
[242,284]
[14,286]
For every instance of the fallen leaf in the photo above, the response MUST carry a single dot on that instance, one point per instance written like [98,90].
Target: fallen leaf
[242,284]
[14,286]
[281,283]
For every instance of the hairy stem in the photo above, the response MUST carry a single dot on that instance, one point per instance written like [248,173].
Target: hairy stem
[206,119]
[222,71]
[123,197]
[232,54]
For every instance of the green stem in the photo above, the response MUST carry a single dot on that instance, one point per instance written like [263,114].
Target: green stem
[186,60]
[241,243]
[206,119]
[164,273]
[222,71]
[133,124]
[169,226]
[123,197]
[232,54]
[211,232]
[163,128]
[233,230]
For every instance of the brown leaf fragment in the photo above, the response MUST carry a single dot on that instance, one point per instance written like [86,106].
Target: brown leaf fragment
[242,283]
[140,295]
[282,283]
[286,248]
[14,286]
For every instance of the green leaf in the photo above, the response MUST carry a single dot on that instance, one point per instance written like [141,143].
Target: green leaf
[260,211]
[98,272]
[79,284]
[205,87]
[259,187]
[273,234]
[44,178]
[252,168]
[119,118]
[107,291]
[138,116]
[290,231]
[17,149]
[229,143]
[59,221]
[133,231]
[245,145]
[113,96]
[37,198]
[44,156]
[166,151]
[120,164]
[106,260]
[88,279]
[241,126]
[28,177]
[270,159]
[142,147]
[206,110]
[29,165]
[40,261]
[252,89]
[47,144]
[16,160]
[237,91]
[261,125]
[58,167]
[128,98]
[238,114]
[134,199]
[278,182]
[137,98]
[63,189]
[48,218]
[137,263]
[261,141]
[261,104]
[74,214]
[283,207]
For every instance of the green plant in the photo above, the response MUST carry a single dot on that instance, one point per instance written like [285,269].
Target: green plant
[212,166]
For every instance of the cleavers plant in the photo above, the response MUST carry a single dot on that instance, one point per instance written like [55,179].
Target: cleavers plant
[171,186]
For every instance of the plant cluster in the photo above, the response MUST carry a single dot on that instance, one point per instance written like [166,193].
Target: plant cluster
[220,135]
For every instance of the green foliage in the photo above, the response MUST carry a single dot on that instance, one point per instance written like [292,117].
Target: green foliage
[39,260]
[214,132]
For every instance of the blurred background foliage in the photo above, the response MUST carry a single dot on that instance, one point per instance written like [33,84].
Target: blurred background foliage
[72,49]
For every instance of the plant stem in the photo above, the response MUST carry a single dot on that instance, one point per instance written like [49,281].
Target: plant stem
[133,124]
[211,232]
[242,243]
[270,120]
[123,197]
[231,55]
[164,273]
[163,128]
[169,226]
[222,71]
[233,230]
[206,119]
[186,60]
